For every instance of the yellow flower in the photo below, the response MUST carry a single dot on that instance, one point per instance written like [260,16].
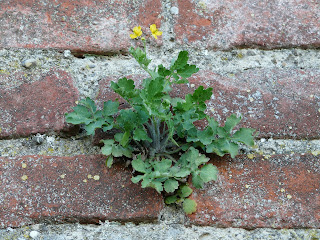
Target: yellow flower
[155,32]
[136,32]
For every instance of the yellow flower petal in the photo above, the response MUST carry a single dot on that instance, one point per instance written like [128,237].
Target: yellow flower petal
[133,36]
[153,28]
[155,32]
[136,32]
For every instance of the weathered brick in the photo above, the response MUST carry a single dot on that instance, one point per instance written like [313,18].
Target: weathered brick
[77,189]
[35,107]
[98,26]
[277,103]
[248,23]
[277,192]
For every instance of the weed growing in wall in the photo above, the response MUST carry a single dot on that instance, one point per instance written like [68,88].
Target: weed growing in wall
[157,132]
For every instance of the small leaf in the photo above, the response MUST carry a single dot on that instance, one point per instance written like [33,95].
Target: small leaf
[213,124]
[141,135]
[157,185]
[206,136]
[109,161]
[163,165]
[244,135]
[125,139]
[227,146]
[185,191]
[171,199]
[200,159]
[91,127]
[187,71]
[162,71]
[119,151]
[213,148]
[189,206]
[208,173]
[110,108]
[139,165]
[107,148]
[124,87]
[137,179]
[182,173]
[118,137]
[201,95]
[181,60]
[80,115]
[171,185]
[197,181]
[89,103]
[231,122]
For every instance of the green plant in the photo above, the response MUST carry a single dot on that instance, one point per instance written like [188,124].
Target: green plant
[157,133]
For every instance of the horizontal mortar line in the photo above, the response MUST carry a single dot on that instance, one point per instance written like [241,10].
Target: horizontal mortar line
[56,146]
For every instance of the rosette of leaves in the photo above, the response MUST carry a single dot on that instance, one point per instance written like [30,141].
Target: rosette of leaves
[157,132]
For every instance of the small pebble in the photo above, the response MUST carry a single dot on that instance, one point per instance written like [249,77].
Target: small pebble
[96,177]
[174,10]
[29,63]
[38,139]
[67,54]
[34,234]
[24,177]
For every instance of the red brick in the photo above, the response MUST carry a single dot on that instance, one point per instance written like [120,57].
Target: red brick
[277,103]
[276,192]
[36,107]
[97,26]
[55,191]
[280,104]
[248,23]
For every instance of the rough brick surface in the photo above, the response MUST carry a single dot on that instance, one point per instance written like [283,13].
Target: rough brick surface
[78,189]
[277,192]
[36,107]
[248,23]
[277,103]
[99,26]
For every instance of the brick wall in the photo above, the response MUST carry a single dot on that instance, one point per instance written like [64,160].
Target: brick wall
[261,58]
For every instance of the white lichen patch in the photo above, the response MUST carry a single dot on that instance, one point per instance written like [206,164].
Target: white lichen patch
[289,196]
[84,180]
[23,165]
[24,177]
[282,190]
[62,176]
[96,177]
[89,176]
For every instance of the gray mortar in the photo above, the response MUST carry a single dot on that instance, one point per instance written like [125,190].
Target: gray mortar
[164,230]
[53,145]
[88,71]
[171,225]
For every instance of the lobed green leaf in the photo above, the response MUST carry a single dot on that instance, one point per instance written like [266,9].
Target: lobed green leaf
[189,206]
